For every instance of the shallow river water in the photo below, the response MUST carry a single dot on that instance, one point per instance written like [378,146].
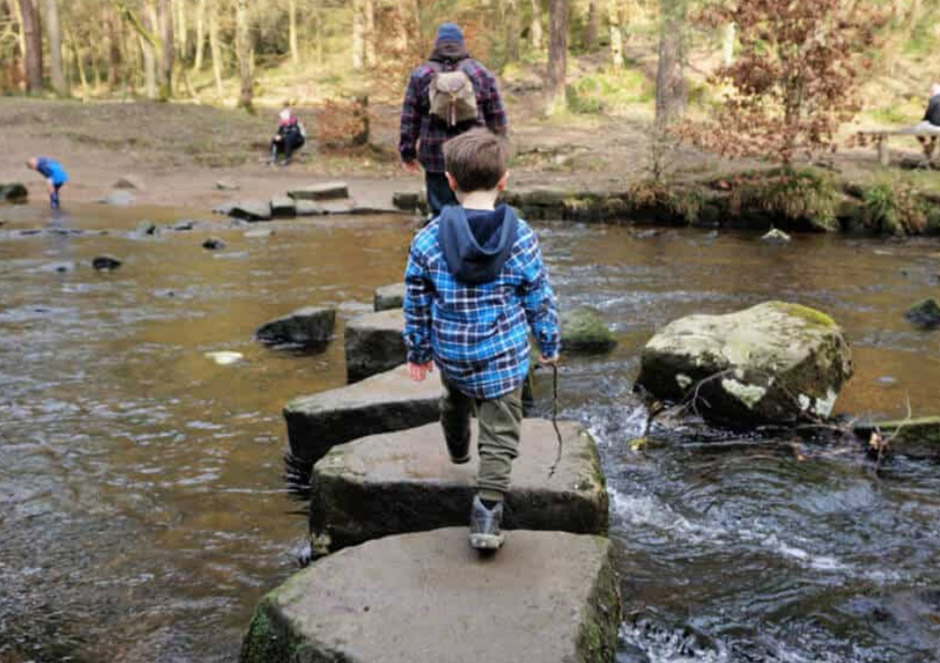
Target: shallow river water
[142,510]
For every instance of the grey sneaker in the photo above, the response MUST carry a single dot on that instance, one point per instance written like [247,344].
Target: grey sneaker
[485,533]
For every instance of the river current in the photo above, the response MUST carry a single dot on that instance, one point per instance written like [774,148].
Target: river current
[143,511]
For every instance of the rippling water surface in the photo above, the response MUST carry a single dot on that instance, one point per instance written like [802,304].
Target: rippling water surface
[142,512]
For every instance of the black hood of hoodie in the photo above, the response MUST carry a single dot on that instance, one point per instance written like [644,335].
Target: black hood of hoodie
[473,257]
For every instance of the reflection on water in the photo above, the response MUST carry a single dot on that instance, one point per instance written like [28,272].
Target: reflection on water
[142,512]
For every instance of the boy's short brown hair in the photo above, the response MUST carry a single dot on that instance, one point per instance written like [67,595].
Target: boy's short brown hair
[477,159]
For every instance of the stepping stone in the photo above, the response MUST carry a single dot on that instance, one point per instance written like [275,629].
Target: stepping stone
[408,201]
[283,207]
[389,297]
[227,185]
[105,263]
[338,206]
[13,192]
[383,403]
[326,191]
[374,344]
[404,482]
[915,438]
[546,597]
[254,210]
[304,327]
[308,208]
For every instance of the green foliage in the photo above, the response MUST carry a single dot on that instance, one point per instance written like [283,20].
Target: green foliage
[609,91]
[894,209]
[798,195]
[653,193]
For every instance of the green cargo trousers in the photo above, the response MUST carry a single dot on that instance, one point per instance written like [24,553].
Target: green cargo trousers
[500,424]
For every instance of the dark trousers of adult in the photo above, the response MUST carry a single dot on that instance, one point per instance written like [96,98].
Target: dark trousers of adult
[286,146]
[500,424]
[439,192]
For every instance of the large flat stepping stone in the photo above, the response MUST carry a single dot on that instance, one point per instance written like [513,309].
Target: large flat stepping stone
[383,403]
[251,210]
[283,207]
[374,344]
[546,597]
[325,191]
[389,297]
[304,327]
[404,482]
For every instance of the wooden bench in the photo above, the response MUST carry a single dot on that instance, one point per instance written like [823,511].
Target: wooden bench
[880,138]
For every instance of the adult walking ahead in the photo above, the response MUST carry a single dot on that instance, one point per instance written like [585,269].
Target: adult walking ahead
[448,95]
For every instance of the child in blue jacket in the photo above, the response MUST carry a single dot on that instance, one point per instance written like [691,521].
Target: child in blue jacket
[475,285]
[54,173]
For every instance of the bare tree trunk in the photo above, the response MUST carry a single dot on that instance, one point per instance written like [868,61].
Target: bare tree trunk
[200,35]
[32,31]
[244,52]
[115,60]
[512,30]
[150,68]
[671,91]
[318,16]
[535,30]
[616,33]
[292,31]
[727,44]
[215,47]
[593,27]
[358,35]
[17,14]
[165,23]
[557,55]
[181,29]
[369,32]
[54,35]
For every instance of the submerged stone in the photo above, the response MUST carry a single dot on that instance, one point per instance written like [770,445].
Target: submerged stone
[924,314]
[382,403]
[304,327]
[546,597]
[13,192]
[213,244]
[916,438]
[404,482]
[775,362]
[120,198]
[105,263]
[325,191]
[389,297]
[374,344]
[584,331]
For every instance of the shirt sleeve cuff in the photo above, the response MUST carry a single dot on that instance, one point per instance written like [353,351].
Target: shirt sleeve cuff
[549,350]
[419,355]
[408,154]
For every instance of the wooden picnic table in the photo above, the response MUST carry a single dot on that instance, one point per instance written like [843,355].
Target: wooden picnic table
[880,137]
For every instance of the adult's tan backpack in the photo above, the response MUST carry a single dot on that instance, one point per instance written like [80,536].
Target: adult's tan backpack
[453,98]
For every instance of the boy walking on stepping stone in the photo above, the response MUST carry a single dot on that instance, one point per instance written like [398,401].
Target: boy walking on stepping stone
[475,284]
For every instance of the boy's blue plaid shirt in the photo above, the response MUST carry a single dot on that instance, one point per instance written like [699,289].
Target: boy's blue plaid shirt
[478,335]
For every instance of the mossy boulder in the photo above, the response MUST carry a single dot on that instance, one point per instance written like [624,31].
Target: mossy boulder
[583,331]
[13,192]
[772,363]
[924,314]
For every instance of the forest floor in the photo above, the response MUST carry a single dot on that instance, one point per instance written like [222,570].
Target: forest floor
[179,150]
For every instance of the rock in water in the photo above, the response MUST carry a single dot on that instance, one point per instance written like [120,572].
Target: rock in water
[213,244]
[404,482]
[584,331]
[225,358]
[283,207]
[374,344]
[775,236]
[389,297]
[120,198]
[775,362]
[129,182]
[105,263]
[13,192]
[183,225]
[258,234]
[147,229]
[380,404]
[254,210]
[226,185]
[547,597]
[408,201]
[925,314]
[303,327]
[326,191]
